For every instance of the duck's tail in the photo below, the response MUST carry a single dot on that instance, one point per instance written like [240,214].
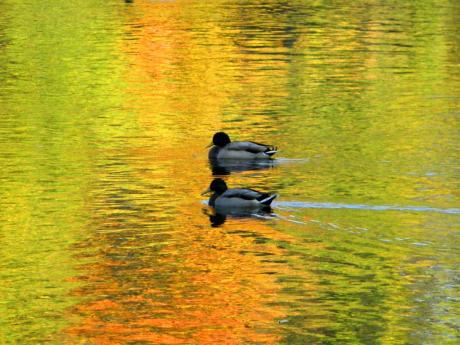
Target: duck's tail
[267,200]
[271,151]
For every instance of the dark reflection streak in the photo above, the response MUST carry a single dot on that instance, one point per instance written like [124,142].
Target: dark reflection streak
[284,28]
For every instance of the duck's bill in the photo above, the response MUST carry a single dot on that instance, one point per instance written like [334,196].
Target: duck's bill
[209,145]
[207,191]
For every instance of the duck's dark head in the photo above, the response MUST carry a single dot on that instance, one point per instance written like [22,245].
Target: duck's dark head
[218,186]
[221,139]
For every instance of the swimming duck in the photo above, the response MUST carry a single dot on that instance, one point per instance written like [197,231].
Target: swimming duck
[224,148]
[237,199]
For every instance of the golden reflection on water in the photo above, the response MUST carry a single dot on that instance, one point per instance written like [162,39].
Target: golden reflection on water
[106,109]
[161,273]
[202,288]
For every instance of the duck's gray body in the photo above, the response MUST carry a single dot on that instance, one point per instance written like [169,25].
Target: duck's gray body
[239,199]
[227,166]
[241,150]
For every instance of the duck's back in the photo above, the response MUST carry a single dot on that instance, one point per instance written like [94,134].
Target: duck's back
[243,198]
[235,201]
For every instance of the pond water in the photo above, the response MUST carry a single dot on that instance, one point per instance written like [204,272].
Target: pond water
[106,108]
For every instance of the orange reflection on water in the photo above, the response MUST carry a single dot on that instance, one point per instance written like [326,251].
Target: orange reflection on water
[207,285]
[162,274]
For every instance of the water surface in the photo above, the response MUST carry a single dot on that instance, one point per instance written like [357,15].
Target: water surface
[105,112]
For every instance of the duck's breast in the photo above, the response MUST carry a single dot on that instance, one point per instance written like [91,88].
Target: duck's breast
[213,152]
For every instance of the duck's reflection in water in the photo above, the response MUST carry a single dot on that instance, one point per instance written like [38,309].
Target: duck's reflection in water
[219,217]
[228,166]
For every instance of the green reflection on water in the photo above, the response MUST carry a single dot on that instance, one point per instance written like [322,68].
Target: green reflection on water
[58,77]
[105,110]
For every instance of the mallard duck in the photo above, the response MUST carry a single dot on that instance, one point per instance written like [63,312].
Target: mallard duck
[237,199]
[224,148]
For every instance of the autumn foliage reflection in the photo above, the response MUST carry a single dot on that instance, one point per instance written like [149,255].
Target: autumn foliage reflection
[210,286]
